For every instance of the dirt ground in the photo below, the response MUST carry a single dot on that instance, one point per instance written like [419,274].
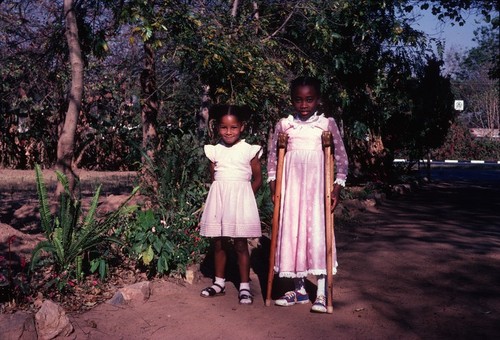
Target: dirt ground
[421,266]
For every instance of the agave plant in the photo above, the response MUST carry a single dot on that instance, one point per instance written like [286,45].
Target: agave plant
[73,240]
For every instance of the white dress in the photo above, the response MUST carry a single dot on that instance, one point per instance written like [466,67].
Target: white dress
[230,209]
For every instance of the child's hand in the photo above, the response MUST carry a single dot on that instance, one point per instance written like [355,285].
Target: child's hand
[335,196]
[272,186]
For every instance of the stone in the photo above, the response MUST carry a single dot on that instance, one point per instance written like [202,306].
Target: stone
[52,321]
[135,293]
[117,299]
[192,274]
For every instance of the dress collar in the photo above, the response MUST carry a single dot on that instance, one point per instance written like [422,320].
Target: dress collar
[294,120]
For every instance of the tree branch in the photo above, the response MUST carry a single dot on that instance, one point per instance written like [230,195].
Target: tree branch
[283,24]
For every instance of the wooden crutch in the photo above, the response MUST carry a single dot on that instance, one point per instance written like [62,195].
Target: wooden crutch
[282,142]
[326,139]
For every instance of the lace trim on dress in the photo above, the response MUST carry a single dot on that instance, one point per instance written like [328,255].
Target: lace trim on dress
[340,182]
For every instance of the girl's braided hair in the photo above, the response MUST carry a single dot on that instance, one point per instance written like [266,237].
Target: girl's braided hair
[306,81]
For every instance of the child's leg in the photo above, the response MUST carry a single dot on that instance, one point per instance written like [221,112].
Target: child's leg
[241,248]
[300,285]
[319,306]
[321,285]
[220,257]
[218,288]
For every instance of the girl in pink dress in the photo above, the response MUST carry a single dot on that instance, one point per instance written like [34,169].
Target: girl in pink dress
[230,210]
[301,249]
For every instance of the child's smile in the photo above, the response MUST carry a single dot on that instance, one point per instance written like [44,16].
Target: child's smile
[230,129]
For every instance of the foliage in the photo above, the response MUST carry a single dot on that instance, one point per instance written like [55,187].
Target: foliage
[14,280]
[366,54]
[475,81]
[167,239]
[460,144]
[426,125]
[74,242]
[456,10]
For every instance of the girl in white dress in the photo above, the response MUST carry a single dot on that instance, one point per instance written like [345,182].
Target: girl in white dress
[230,210]
[301,249]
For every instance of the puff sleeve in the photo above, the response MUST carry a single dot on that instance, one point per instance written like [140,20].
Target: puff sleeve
[272,156]
[210,152]
[341,160]
[255,150]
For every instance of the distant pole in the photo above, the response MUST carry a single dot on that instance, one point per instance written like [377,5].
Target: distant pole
[429,165]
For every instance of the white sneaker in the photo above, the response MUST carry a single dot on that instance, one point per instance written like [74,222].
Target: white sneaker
[319,305]
[291,298]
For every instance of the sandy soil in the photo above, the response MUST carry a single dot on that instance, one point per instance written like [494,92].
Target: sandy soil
[422,266]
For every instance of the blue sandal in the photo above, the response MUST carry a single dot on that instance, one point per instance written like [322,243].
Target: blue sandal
[211,292]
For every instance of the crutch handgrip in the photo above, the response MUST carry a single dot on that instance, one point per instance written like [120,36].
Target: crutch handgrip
[282,142]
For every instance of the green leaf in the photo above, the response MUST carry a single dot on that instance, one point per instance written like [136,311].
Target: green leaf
[94,264]
[147,256]
[158,244]
[45,215]
[90,217]
[162,265]
[45,246]
[103,268]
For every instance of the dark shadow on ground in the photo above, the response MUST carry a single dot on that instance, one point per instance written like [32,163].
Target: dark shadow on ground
[444,241]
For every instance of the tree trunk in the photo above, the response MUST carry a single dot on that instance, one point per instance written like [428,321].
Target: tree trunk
[149,101]
[202,116]
[66,143]
[149,117]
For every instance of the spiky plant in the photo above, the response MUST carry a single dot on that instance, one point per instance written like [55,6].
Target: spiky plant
[72,241]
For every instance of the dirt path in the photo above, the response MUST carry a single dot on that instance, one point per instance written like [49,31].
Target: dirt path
[423,266]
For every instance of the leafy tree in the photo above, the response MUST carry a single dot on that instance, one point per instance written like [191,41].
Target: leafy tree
[432,112]
[366,54]
[475,81]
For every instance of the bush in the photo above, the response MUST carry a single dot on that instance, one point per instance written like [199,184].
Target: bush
[73,241]
[167,239]
[460,144]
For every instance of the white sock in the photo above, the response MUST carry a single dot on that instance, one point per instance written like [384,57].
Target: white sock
[300,285]
[321,285]
[221,282]
[244,285]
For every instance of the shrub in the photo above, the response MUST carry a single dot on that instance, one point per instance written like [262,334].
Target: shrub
[73,241]
[167,239]
[460,144]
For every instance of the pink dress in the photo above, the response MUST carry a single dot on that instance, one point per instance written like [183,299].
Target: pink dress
[230,209]
[301,246]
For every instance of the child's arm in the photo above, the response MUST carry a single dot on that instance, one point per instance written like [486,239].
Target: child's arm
[272,187]
[341,162]
[272,160]
[256,173]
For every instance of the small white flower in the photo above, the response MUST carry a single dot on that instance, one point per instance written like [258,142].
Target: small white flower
[153,230]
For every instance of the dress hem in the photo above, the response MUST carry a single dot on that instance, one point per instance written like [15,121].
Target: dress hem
[292,275]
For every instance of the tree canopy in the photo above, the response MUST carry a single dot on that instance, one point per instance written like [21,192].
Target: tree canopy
[366,54]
